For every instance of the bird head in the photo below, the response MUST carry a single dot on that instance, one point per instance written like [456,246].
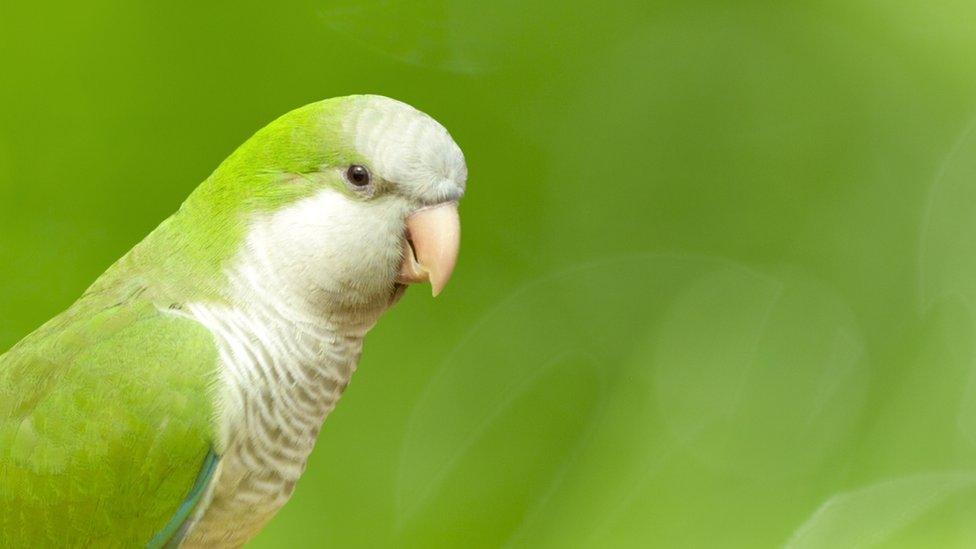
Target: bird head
[342,201]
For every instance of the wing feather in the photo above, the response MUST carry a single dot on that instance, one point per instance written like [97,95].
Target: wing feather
[105,420]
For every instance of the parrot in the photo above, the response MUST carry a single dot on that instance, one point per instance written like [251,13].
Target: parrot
[176,402]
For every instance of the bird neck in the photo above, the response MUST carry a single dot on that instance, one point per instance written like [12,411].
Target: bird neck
[284,354]
[283,367]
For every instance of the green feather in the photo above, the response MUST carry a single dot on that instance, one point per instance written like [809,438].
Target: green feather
[106,412]
[287,160]
[105,418]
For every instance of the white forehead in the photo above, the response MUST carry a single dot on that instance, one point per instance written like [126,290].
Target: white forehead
[407,147]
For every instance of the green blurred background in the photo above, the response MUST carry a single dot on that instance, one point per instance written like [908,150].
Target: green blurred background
[717,284]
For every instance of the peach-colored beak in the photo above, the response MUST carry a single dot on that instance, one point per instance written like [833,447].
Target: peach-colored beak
[431,247]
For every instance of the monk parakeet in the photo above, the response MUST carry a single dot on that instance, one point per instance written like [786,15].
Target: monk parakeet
[176,402]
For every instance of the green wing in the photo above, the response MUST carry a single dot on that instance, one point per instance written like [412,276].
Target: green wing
[105,423]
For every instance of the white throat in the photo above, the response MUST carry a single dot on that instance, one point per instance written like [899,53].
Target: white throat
[308,284]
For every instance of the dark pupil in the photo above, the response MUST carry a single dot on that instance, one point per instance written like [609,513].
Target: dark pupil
[358,175]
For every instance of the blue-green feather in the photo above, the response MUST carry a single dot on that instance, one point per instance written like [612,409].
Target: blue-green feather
[172,534]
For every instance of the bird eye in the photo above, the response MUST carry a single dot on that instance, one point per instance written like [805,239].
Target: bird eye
[358,175]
